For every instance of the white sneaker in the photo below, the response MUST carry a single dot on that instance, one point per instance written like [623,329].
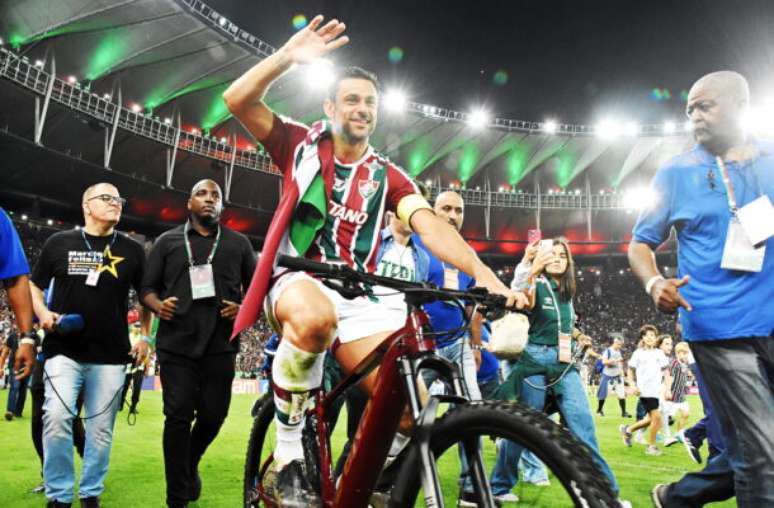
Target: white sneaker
[541,483]
[510,497]
[652,450]
[624,503]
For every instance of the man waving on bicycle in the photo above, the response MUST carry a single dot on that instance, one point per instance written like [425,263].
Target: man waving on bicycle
[336,189]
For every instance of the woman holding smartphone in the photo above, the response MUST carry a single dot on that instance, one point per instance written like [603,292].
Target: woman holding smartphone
[551,289]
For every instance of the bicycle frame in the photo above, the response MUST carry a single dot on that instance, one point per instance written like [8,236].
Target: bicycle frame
[399,358]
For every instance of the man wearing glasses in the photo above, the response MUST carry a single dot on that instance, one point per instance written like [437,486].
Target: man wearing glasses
[88,272]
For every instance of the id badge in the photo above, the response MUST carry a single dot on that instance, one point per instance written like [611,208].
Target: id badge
[451,278]
[202,282]
[92,278]
[757,219]
[739,252]
[565,348]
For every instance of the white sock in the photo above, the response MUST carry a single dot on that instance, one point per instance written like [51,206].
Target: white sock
[295,373]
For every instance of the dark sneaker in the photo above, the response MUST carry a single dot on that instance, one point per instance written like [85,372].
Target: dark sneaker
[658,495]
[8,416]
[692,450]
[57,504]
[626,415]
[469,499]
[90,502]
[600,413]
[293,489]
[39,489]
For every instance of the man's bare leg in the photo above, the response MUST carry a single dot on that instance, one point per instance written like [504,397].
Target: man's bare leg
[308,321]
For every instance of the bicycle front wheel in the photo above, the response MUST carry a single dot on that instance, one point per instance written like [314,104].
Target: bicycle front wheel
[259,447]
[577,480]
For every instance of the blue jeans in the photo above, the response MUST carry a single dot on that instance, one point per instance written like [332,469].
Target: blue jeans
[459,352]
[573,405]
[739,377]
[101,384]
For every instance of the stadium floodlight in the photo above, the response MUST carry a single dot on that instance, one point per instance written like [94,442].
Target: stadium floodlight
[194,130]
[669,127]
[223,139]
[428,182]
[319,74]
[24,216]
[640,198]
[395,101]
[136,108]
[550,191]
[38,63]
[478,118]
[550,127]
[107,96]
[50,222]
[71,79]
[168,121]
[607,129]
[222,21]
[577,192]
[631,129]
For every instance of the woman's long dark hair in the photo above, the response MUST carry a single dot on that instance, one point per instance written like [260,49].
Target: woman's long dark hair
[567,286]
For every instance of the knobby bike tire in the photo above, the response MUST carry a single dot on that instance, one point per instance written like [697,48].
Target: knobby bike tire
[560,451]
[261,422]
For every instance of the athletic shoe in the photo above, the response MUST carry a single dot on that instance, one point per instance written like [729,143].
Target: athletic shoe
[8,416]
[626,415]
[669,442]
[508,497]
[90,502]
[626,435]
[57,504]
[658,495]
[653,450]
[39,489]
[540,483]
[469,500]
[600,413]
[623,503]
[693,451]
[293,489]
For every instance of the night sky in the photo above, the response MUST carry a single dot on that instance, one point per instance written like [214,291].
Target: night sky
[574,61]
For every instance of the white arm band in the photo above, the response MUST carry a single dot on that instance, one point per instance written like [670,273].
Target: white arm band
[651,282]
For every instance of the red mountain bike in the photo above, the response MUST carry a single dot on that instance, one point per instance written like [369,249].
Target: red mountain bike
[472,425]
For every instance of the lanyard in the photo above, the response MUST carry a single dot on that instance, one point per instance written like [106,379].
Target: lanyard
[726,177]
[88,245]
[556,305]
[188,245]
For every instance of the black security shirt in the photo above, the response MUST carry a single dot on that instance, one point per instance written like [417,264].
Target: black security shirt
[66,260]
[197,327]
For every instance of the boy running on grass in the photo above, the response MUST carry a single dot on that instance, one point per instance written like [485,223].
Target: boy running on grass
[675,404]
[650,364]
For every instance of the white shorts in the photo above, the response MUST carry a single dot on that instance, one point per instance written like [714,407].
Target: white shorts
[357,318]
[670,408]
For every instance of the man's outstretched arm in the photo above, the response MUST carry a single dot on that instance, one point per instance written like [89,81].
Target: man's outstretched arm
[244,98]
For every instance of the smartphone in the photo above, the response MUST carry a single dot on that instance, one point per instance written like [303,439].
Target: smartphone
[533,235]
[546,245]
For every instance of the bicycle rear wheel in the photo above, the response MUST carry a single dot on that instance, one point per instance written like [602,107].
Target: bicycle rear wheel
[580,480]
[259,447]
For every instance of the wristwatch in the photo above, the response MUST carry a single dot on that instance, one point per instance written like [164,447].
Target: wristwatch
[30,338]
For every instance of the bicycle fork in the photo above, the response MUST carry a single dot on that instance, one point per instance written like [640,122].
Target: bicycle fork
[424,417]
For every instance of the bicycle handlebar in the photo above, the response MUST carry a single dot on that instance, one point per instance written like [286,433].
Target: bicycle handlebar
[425,291]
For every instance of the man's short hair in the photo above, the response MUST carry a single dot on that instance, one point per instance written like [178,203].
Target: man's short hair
[351,72]
[648,328]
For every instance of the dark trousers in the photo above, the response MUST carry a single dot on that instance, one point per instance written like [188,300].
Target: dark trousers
[739,377]
[17,392]
[197,390]
[709,426]
[37,392]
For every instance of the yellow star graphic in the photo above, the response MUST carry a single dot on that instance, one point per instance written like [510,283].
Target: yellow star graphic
[114,260]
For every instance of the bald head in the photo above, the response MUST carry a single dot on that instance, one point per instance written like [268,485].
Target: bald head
[450,207]
[102,206]
[206,202]
[205,183]
[99,189]
[716,106]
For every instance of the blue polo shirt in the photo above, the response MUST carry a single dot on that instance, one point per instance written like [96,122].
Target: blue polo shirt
[692,198]
[13,262]
[444,316]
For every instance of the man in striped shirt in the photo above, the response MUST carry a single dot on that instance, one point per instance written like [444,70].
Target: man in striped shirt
[363,186]
[675,405]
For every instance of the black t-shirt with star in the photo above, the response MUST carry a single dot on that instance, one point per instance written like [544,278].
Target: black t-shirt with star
[67,258]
